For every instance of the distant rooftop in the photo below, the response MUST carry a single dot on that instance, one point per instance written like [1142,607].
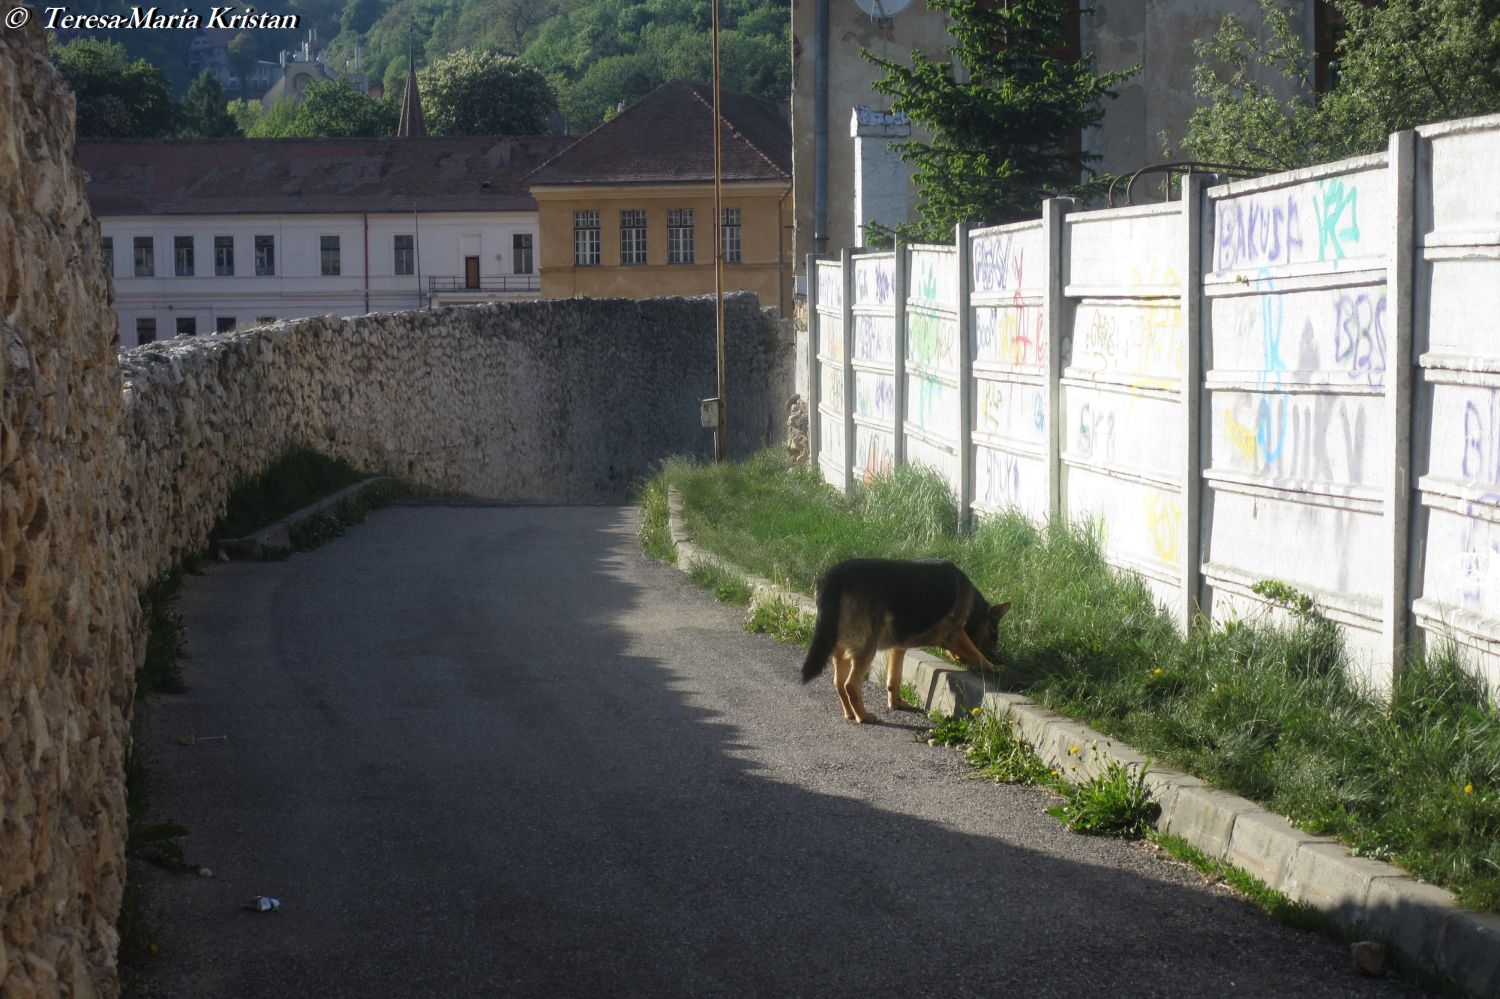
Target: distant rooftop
[667,137]
[266,176]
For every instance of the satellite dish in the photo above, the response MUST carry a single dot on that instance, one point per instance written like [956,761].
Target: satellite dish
[882,8]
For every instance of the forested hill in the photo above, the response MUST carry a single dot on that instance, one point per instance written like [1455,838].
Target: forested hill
[597,53]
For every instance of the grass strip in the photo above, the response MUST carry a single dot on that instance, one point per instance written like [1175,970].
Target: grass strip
[1266,707]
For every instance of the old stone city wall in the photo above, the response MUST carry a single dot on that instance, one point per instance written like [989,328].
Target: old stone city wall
[116,466]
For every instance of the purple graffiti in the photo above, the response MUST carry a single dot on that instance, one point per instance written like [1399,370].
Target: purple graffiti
[1359,336]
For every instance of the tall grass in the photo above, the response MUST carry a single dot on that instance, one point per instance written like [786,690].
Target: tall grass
[1265,708]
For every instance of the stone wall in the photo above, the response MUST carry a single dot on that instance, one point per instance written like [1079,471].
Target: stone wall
[567,401]
[69,621]
[114,466]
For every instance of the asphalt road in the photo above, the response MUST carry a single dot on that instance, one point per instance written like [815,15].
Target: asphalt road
[497,752]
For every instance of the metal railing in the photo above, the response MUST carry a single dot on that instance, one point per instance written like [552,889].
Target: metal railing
[507,282]
[1172,171]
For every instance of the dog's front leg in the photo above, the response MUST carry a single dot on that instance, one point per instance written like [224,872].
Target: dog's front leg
[894,658]
[964,647]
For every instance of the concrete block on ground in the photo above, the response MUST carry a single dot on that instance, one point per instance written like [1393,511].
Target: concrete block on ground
[1204,817]
[1263,844]
[1471,951]
[1323,874]
[1164,784]
[1410,914]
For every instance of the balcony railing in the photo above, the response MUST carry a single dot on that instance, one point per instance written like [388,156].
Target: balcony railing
[508,282]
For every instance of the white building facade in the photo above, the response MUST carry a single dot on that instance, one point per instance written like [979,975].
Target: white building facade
[189,264]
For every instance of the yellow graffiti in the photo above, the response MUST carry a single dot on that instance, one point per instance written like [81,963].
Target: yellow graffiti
[1164,519]
[1241,437]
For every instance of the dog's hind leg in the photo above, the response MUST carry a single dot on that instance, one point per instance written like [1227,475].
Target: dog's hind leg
[894,658]
[854,686]
[843,665]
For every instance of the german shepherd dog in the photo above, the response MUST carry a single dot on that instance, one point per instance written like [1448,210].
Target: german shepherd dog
[869,604]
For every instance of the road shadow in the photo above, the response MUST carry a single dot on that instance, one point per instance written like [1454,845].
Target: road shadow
[495,752]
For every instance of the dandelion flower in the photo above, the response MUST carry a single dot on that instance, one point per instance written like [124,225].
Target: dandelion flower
[1072,750]
[976,711]
[1468,789]
[1156,672]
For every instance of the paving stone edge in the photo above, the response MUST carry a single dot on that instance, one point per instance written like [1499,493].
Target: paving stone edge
[1367,896]
[279,534]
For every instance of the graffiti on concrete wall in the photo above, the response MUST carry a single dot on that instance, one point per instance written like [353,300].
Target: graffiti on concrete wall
[874,338]
[1010,409]
[830,286]
[1317,221]
[875,453]
[875,397]
[874,280]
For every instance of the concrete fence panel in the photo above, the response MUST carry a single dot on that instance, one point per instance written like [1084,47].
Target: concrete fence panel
[1122,387]
[1296,344]
[1457,426]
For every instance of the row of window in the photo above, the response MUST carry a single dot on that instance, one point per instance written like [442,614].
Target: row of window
[330,263]
[587,242]
[145,327]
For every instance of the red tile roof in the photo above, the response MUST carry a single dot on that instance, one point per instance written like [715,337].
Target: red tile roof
[667,137]
[265,176]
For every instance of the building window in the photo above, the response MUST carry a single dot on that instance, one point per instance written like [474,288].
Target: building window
[731,246]
[632,236]
[586,239]
[265,256]
[406,254]
[109,255]
[679,235]
[145,257]
[224,256]
[145,331]
[224,324]
[520,246]
[187,326]
[328,253]
[182,255]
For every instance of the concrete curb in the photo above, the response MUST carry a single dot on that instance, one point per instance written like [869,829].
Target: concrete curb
[1366,896]
[279,535]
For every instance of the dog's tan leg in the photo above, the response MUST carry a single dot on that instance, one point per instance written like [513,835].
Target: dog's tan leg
[843,664]
[854,686]
[963,647]
[894,659]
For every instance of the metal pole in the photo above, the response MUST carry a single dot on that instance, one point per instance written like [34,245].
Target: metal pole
[721,433]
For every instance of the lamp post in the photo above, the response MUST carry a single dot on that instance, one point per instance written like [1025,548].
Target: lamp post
[721,430]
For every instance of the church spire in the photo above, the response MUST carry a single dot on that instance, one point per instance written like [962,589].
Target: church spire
[411,104]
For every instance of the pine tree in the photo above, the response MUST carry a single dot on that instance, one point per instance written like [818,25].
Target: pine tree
[204,113]
[1005,137]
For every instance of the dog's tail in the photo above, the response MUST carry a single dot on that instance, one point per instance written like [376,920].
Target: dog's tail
[825,632]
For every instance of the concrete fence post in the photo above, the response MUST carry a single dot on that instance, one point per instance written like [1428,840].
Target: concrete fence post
[902,261]
[814,374]
[846,275]
[966,386]
[1196,220]
[1054,212]
[1400,305]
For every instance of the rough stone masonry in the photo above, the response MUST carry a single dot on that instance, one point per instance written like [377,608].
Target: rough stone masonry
[114,467]
[70,631]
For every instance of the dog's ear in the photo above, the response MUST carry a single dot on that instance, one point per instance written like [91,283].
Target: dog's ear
[998,611]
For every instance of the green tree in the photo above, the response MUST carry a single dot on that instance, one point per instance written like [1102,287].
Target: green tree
[118,97]
[1401,63]
[1003,137]
[328,109]
[204,113]
[480,93]
[243,50]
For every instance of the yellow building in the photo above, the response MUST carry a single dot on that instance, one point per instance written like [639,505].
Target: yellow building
[627,211]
